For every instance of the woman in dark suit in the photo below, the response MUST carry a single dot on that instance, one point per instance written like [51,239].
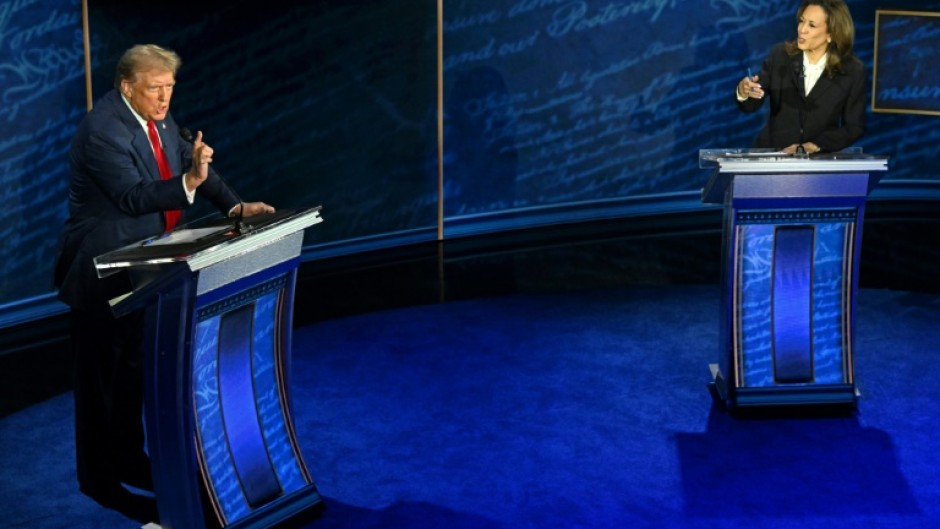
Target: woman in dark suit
[817,86]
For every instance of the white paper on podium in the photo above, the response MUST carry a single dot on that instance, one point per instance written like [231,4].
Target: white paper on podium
[184,235]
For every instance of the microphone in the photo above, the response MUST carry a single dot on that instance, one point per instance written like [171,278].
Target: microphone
[240,225]
[800,76]
[801,88]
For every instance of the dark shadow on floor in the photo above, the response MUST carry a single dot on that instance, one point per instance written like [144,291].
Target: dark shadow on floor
[335,514]
[794,467]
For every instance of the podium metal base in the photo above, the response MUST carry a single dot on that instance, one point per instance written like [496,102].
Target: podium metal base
[795,395]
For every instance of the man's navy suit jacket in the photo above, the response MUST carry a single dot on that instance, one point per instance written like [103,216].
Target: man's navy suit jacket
[832,114]
[116,197]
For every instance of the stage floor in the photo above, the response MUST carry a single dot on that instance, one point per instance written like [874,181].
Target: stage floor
[553,378]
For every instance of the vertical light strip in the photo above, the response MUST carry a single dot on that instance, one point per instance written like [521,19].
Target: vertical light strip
[86,40]
[440,149]
[874,75]
[440,120]
[848,301]
[737,292]
[238,403]
[792,304]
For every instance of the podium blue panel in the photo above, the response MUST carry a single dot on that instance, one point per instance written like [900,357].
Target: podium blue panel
[217,363]
[240,417]
[792,237]
[245,445]
[817,247]
[792,304]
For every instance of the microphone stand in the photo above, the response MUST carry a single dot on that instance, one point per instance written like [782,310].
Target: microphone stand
[801,88]
[240,227]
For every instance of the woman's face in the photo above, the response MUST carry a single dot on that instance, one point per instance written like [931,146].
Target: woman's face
[812,31]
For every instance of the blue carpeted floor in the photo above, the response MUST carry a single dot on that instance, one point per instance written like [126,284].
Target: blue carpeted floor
[580,409]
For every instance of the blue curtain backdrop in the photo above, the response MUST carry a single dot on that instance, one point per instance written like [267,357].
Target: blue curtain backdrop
[550,106]
[329,102]
[553,102]
[42,99]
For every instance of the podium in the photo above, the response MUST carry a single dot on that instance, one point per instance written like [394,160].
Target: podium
[791,243]
[219,302]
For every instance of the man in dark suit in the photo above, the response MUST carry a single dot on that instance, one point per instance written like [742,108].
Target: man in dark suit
[130,175]
[816,84]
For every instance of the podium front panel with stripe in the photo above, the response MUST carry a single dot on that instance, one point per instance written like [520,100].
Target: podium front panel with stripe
[791,245]
[219,305]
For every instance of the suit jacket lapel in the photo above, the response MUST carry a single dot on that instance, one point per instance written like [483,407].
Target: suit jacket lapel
[139,140]
[141,144]
[822,85]
[796,70]
[170,147]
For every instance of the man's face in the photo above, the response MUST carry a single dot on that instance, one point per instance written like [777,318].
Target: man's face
[149,95]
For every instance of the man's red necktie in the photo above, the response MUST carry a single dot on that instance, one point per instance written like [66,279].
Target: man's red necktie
[172,216]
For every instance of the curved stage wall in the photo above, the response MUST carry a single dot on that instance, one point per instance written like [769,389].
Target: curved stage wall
[555,111]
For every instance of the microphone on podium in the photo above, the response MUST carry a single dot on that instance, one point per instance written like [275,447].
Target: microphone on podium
[240,225]
[801,88]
